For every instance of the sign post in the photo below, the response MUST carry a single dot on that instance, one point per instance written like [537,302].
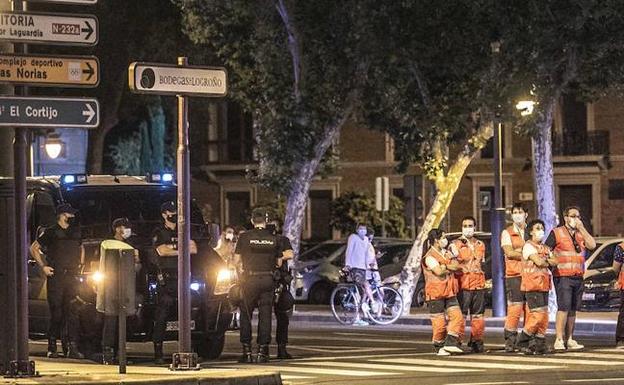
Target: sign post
[47,71]
[48,28]
[49,112]
[382,200]
[183,81]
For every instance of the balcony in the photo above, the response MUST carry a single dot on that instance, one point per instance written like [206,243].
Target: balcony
[594,142]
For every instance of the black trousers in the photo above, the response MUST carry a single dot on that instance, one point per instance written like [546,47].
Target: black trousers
[63,317]
[258,293]
[619,330]
[281,329]
[165,303]
[109,332]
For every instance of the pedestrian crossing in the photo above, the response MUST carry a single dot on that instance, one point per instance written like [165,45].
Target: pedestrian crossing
[395,365]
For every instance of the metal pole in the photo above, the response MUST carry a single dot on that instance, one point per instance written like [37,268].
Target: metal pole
[498,223]
[121,311]
[184,225]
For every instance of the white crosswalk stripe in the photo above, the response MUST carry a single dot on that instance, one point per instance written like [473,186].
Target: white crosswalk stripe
[452,362]
[404,368]
[563,359]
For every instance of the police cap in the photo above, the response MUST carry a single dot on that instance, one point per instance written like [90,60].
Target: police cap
[125,222]
[168,206]
[65,208]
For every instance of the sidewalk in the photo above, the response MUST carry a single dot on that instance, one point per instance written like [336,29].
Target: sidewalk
[587,323]
[93,374]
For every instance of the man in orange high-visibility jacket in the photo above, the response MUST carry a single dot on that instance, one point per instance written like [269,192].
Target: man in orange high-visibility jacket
[618,260]
[569,243]
[470,253]
[536,261]
[512,241]
[441,289]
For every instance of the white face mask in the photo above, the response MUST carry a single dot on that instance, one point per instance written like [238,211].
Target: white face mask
[362,233]
[229,236]
[443,243]
[572,223]
[127,233]
[468,232]
[518,218]
[539,235]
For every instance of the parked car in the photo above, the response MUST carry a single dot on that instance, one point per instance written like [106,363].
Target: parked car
[600,290]
[317,271]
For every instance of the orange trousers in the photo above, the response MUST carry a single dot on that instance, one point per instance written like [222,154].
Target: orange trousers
[439,312]
[514,313]
[536,322]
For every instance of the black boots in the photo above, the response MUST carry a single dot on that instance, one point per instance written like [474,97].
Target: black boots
[73,351]
[245,357]
[263,354]
[476,346]
[108,355]
[158,353]
[52,353]
[526,343]
[282,354]
[510,341]
[540,346]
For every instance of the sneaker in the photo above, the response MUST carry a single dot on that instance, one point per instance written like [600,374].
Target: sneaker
[559,346]
[360,322]
[573,345]
[443,352]
[453,349]
[619,345]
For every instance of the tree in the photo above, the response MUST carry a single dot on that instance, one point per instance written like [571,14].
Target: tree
[353,207]
[298,67]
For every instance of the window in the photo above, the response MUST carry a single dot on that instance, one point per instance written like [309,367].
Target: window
[604,259]
[237,207]
[321,251]
[616,189]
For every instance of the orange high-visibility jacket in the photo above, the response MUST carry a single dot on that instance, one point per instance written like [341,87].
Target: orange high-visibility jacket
[535,278]
[513,268]
[621,276]
[439,287]
[569,262]
[471,255]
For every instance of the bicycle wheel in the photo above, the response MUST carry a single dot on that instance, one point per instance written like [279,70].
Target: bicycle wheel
[386,307]
[345,304]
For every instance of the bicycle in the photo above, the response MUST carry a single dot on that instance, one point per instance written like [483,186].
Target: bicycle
[384,308]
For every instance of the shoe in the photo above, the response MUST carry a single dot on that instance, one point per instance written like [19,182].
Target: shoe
[360,322]
[282,353]
[245,357]
[52,353]
[510,341]
[559,346]
[108,355]
[263,354]
[442,352]
[73,352]
[619,345]
[540,346]
[573,345]
[158,353]
[451,344]
[477,346]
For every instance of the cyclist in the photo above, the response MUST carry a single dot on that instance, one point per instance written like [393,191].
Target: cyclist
[356,257]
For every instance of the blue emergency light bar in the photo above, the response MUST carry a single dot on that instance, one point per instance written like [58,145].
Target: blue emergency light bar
[163,177]
[69,179]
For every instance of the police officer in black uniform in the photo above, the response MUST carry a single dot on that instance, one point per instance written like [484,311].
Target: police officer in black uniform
[284,300]
[64,256]
[256,256]
[165,242]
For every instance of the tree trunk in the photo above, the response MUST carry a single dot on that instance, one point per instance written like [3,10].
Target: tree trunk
[446,188]
[544,181]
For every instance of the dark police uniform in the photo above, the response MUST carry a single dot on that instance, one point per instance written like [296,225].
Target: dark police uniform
[258,249]
[163,235]
[282,317]
[62,248]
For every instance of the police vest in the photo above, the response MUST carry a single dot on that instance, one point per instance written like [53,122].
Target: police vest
[535,278]
[261,251]
[471,255]
[64,252]
[570,262]
[513,268]
[621,276]
[439,287]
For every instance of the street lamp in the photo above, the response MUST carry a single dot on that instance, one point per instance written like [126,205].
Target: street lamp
[53,145]
[525,107]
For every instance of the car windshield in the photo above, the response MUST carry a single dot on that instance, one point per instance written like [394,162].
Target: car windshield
[604,259]
[321,251]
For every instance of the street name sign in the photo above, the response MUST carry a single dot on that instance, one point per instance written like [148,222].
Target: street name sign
[86,2]
[44,70]
[31,111]
[166,79]
[40,28]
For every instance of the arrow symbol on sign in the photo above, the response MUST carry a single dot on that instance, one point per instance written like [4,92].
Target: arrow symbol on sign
[89,30]
[89,71]
[90,112]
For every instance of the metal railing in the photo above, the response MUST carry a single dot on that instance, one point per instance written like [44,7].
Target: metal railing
[594,142]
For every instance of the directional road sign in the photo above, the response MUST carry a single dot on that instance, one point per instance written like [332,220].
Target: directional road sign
[33,111]
[43,70]
[87,2]
[43,28]
[166,79]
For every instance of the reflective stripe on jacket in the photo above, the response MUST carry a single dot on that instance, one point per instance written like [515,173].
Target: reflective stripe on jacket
[439,287]
[535,278]
[569,262]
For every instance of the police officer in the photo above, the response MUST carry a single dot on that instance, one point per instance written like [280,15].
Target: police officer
[256,257]
[122,231]
[284,301]
[165,242]
[64,255]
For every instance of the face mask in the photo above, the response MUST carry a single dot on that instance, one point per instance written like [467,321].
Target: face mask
[127,233]
[443,243]
[468,232]
[517,218]
[539,235]
[572,223]
[229,236]
[172,218]
[362,233]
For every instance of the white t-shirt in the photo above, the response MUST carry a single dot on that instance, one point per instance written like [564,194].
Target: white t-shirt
[357,252]
[506,237]
[431,262]
[528,250]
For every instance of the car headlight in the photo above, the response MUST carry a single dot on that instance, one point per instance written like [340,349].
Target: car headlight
[195,286]
[96,277]
[226,278]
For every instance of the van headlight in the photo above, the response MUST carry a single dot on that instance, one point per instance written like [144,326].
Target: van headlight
[226,278]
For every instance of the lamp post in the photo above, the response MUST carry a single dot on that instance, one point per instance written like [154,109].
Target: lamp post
[53,145]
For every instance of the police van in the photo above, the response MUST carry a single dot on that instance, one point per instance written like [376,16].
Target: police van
[100,199]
